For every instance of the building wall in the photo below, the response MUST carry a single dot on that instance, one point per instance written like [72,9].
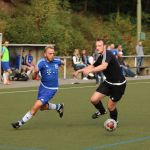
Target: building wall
[37,53]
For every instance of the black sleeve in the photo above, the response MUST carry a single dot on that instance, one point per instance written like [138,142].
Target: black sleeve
[109,56]
[106,58]
[97,62]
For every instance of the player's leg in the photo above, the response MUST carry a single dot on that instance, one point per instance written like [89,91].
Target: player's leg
[115,96]
[37,105]
[8,74]
[6,69]
[4,77]
[112,109]
[50,106]
[46,95]
[96,100]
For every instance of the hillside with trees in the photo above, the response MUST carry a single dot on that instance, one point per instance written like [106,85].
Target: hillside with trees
[73,24]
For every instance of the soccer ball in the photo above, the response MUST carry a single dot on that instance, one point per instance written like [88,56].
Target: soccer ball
[110,125]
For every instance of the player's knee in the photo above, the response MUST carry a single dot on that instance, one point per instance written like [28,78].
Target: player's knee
[111,106]
[44,107]
[93,100]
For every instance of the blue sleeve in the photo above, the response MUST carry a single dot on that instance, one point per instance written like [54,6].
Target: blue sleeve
[58,61]
[39,64]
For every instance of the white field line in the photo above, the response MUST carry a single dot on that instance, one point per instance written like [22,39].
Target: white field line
[66,88]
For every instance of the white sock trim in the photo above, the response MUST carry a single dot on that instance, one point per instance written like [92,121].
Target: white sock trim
[52,106]
[27,117]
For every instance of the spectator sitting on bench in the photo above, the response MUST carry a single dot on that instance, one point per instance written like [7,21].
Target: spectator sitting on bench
[85,57]
[127,72]
[22,63]
[29,63]
[77,61]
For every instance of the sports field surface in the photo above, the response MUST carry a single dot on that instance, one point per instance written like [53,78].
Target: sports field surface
[76,130]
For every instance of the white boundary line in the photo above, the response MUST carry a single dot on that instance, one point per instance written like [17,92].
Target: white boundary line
[68,88]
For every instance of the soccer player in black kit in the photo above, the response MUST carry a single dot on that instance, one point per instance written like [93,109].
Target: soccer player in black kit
[113,86]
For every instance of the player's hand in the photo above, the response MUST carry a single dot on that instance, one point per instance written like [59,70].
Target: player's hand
[86,71]
[34,75]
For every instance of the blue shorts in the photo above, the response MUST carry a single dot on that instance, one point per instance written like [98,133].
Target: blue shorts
[45,95]
[5,66]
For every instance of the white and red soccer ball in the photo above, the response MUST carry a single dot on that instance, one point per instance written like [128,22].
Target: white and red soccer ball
[110,125]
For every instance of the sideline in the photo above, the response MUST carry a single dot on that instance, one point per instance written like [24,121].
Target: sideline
[104,146]
[67,88]
[13,147]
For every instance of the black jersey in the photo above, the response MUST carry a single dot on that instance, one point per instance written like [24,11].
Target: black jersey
[113,71]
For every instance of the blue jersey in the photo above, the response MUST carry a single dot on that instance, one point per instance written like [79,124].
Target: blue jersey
[17,61]
[49,72]
[114,51]
[29,58]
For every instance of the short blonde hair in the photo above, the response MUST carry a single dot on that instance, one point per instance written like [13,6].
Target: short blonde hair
[47,47]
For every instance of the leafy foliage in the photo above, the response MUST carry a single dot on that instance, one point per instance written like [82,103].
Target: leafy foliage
[73,24]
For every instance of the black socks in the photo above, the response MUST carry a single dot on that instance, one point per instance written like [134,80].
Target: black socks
[114,114]
[100,107]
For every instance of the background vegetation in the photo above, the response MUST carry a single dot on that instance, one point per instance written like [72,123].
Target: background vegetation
[74,23]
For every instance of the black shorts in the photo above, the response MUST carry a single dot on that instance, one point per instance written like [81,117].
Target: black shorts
[114,91]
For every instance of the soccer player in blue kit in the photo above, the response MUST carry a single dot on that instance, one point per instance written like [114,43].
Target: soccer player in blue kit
[48,69]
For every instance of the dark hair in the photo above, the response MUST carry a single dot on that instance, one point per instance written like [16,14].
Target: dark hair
[3,42]
[97,40]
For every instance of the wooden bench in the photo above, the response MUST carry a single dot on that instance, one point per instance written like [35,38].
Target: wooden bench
[144,70]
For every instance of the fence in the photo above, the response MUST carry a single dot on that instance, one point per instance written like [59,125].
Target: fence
[67,70]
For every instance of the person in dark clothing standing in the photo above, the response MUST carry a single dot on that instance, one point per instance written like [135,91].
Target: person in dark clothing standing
[113,86]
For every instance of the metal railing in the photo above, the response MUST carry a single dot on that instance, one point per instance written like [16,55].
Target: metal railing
[130,60]
[67,70]
[146,63]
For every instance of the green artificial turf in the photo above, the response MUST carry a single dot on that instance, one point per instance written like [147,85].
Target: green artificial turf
[76,130]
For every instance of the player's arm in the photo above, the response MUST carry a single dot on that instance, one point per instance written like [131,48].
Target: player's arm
[62,62]
[93,69]
[83,70]
[2,52]
[99,68]
[35,73]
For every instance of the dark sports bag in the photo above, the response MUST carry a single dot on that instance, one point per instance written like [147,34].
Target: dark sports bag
[19,77]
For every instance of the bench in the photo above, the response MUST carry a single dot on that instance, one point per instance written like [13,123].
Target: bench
[144,70]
